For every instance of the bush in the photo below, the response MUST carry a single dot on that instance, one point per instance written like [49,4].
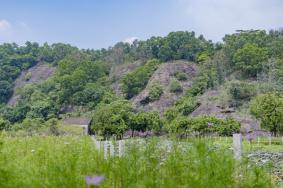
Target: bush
[28,76]
[211,124]
[240,90]
[155,92]
[175,87]
[181,76]
[186,105]
[202,125]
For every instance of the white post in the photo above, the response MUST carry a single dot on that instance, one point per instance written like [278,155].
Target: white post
[121,148]
[258,141]
[105,149]
[237,145]
[111,147]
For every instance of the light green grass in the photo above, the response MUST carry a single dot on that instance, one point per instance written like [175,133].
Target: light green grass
[43,162]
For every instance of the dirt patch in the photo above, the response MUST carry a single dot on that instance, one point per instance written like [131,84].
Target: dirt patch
[33,75]
[163,76]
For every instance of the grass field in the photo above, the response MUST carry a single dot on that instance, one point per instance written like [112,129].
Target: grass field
[39,162]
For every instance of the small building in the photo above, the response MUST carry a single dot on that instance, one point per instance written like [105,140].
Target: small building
[79,122]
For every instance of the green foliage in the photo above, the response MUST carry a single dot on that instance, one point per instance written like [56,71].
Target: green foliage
[175,86]
[146,121]
[202,57]
[112,118]
[155,92]
[176,45]
[4,124]
[186,105]
[268,108]
[250,59]
[182,125]
[179,125]
[181,76]
[137,80]
[240,90]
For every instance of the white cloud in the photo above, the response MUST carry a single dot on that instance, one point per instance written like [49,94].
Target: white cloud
[130,40]
[4,25]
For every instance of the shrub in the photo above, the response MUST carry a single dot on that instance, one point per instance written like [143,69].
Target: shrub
[28,76]
[211,124]
[186,105]
[155,92]
[240,90]
[175,86]
[181,76]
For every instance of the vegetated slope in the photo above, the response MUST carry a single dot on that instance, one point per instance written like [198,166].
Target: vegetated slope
[33,75]
[118,71]
[163,77]
[212,103]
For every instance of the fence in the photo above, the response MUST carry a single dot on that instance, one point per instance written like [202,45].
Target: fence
[238,142]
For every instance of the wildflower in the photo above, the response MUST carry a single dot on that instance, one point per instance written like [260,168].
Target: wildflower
[32,150]
[94,180]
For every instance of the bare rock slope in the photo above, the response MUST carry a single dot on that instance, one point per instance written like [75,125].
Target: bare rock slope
[33,75]
[163,76]
[211,103]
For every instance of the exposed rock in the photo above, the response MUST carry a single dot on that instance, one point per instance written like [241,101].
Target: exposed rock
[36,74]
[163,76]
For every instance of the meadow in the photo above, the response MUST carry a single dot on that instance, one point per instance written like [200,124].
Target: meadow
[64,161]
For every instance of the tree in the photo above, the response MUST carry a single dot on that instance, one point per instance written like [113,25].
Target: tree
[268,108]
[250,59]
[112,119]
[146,121]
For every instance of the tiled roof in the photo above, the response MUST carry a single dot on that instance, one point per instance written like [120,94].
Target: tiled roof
[77,121]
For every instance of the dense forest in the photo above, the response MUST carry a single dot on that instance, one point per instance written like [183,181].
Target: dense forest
[247,64]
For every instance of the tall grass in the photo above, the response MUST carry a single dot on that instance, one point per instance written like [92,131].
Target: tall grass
[39,162]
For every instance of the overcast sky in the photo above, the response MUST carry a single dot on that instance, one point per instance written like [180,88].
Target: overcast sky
[102,23]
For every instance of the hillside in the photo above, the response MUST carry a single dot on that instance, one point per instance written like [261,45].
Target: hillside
[180,83]
[163,76]
[34,75]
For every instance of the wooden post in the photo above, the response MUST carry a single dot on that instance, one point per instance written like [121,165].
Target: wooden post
[269,140]
[237,145]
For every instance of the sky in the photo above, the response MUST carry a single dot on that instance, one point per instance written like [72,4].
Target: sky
[102,23]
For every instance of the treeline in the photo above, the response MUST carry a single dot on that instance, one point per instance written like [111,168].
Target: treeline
[82,80]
